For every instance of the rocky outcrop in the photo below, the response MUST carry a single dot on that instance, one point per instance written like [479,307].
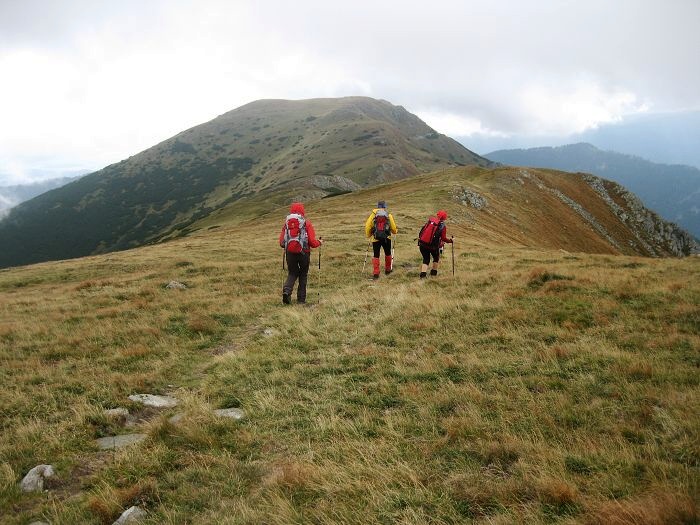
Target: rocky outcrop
[327,182]
[468,197]
[654,234]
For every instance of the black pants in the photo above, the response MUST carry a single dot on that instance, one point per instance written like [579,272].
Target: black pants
[298,267]
[427,253]
[377,246]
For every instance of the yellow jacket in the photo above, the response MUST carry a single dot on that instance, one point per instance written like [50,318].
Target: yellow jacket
[369,225]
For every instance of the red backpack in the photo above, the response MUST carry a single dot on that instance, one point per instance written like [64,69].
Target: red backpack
[382,227]
[429,235]
[296,240]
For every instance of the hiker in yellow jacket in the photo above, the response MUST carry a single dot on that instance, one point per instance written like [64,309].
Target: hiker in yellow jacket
[378,229]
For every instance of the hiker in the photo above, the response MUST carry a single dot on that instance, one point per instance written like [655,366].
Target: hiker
[431,239]
[297,239]
[378,229]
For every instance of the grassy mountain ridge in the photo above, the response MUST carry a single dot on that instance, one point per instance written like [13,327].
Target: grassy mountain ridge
[279,148]
[538,385]
[673,191]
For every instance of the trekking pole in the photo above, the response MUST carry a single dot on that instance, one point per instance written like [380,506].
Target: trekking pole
[366,254]
[393,250]
[284,280]
[453,255]
[318,289]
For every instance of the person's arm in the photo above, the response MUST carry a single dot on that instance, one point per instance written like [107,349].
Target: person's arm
[368,225]
[392,224]
[313,242]
[282,237]
[444,238]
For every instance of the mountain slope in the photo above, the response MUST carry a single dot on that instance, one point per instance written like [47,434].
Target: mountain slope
[535,386]
[273,148]
[671,190]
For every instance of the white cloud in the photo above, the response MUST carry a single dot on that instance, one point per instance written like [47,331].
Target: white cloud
[455,125]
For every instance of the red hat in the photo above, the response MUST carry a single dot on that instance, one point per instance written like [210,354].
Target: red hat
[442,215]
[297,207]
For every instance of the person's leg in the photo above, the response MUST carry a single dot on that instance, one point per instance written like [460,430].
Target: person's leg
[376,247]
[293,273]
[388,260]
[436,262]
[304,262]
[425,252]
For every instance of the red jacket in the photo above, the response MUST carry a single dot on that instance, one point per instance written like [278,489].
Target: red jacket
[298,207]
[443,237]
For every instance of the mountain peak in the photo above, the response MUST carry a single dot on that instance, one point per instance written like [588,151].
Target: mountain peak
[272,150]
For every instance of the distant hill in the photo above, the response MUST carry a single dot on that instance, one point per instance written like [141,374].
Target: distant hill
[13,195]
[668,138]
[277,149]
[673,191]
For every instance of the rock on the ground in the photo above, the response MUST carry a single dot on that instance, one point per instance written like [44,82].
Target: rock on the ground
[151,400]
[34,480]
[233,413]
[175,285]
[131,515]
[116,413]
[268,332]
[123,440]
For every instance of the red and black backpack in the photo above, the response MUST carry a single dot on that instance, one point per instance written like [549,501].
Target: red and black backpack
[382,226]
[430,233]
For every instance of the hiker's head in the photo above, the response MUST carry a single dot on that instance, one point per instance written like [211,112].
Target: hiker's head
[297,207]
[381,204]
[442,215]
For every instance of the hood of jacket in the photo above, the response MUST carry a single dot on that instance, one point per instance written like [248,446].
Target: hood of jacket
[297,207]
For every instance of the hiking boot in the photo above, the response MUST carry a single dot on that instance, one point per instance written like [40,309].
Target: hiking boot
[422,275]
[286,299]
[375,276]
[433,272]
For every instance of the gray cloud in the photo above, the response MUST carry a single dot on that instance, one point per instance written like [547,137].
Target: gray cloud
[92,82]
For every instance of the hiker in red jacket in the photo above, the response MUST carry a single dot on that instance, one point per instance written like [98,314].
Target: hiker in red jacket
[431,239]
[297,238]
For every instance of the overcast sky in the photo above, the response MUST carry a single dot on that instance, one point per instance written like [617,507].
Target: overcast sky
[87,83]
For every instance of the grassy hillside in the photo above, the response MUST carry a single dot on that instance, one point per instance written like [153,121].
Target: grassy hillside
[274,150]
[673,191]
[538,385]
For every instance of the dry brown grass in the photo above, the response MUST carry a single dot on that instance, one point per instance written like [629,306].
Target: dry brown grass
[657,507]
[452,400]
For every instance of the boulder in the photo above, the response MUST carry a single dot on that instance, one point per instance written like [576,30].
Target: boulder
[130,516]
[34,480]
[175,285]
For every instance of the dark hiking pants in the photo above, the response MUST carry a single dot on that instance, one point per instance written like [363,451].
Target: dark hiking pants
[298,266]
[378,245]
